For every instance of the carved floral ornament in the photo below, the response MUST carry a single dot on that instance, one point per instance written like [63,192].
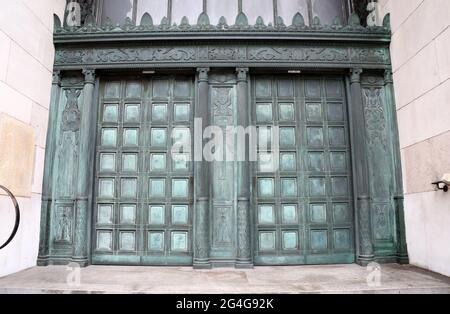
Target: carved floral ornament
[203,24]
[251,54]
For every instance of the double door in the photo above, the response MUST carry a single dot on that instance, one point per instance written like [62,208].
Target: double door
[301,205]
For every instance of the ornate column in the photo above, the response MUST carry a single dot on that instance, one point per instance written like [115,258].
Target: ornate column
[364,234]
[47,190]
[402,250]
[86,150]
[244,258]
[202,176]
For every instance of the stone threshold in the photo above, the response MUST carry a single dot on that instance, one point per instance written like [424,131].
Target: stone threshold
[329,279]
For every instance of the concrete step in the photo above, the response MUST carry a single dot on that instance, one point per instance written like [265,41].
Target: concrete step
[347,279]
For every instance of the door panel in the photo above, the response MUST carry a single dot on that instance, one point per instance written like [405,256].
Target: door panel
[303,193]
[143,195]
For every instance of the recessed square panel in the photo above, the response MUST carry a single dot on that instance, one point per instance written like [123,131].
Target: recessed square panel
[285,88]
[313,88]
[159,137]
[107,162]
[128,214]
[127,241]
[182,112]
[111,113]
[160,88]
[318,213]
[182,138]
[287,137]
[266,162]
[337,136]
[290,215]
[104,240]
[180,214]
[182,88]
[334,88]
[157,188]
[109,137]
[290,240]
[267,241]
[339,186]
[338,161]
[180,162]
[286,112]
[289,187]
[335,112]
[131,113]
[314,112]
[264,137]
[112,90]
[266,215]
[264,112]
[341,213]
[129,162]
[156,241]
[342,239]
[130,137]
[180,188]
[105,214]
[319,240]
[129,188]
[133,90]
[316,162]
[266,187]
[179,241]
[263,88]
[106,188]
[288,162]
[156,215]
[315,136]
[317,187]
[159,112]
[158,162]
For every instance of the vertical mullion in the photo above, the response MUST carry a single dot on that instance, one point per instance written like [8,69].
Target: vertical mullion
[310,11]
[169,11]
[275,11]
[134,14]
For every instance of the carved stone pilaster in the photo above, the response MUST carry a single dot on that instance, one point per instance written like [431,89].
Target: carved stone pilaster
[244,259]
[47,201]
[364,235]
[89,76]
[56,78]
[201,173]
[85,169]
[402,249]
[203,75]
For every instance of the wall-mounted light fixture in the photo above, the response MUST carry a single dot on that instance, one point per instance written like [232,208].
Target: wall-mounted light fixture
[444,183]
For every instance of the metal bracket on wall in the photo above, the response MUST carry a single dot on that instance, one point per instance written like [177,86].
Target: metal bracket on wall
[17,223]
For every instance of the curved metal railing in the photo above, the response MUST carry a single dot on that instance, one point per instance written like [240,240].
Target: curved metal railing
[16,225]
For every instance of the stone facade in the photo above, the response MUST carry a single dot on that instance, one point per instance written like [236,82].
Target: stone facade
[26,62]
[421,65]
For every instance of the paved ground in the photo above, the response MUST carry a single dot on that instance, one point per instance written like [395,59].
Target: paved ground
[305,279]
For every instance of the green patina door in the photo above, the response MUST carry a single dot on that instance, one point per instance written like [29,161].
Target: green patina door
[303,203]
[304,207]
[143,194]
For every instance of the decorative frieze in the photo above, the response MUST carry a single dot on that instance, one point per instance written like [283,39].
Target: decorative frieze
[222,54]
